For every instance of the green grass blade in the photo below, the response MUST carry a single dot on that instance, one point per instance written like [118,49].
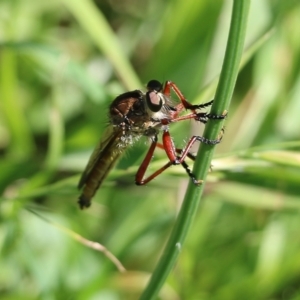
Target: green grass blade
[56,129]
[94,22]
[11,105]
[192,198]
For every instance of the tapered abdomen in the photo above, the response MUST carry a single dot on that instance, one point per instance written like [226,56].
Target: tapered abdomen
[102,160]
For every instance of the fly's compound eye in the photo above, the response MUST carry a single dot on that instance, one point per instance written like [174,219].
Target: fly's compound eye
[154,101]
[153,98]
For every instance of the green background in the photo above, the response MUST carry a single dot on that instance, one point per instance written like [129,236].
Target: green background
[61,67]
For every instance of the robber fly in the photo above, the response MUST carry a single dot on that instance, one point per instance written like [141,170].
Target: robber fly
[135,114]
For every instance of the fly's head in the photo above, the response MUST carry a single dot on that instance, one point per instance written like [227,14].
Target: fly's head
[154,96]
[159,105]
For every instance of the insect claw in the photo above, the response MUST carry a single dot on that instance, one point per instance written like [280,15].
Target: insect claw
[216,117]
[203,105]
[221,134]
[225,113]
[197,182]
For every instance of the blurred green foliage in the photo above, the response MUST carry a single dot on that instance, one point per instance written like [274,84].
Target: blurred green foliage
[58,74]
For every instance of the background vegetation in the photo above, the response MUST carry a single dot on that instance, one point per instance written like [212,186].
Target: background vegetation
[60,69]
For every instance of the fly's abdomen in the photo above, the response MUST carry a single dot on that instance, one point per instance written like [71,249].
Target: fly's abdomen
[95,179]
[101,161]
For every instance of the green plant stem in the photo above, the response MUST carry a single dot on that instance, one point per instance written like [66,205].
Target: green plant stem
[192,197]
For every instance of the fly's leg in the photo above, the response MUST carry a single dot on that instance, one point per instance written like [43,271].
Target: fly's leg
[184,104]
[186,153]
[139,177]
[204,117]
[178,151]
[174,158]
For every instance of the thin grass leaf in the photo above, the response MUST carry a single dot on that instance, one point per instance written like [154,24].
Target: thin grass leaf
[93,21]
[11,105]
[77,237]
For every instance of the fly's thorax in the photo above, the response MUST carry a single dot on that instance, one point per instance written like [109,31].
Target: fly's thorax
[126,140]
[129,109]
[131,133]
[129,113]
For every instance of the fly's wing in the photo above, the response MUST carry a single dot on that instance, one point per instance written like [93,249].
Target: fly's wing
[100,163]
[96,154]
